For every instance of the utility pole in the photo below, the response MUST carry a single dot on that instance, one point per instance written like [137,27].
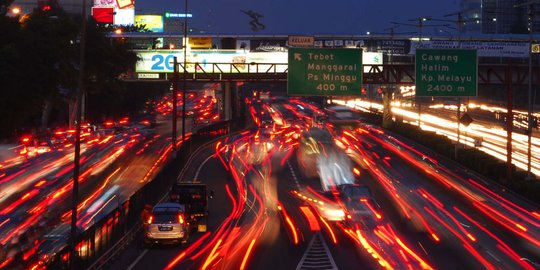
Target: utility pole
[175,104]
[458,116]
[185,74]
[420,26]
[77,156]
[530,13]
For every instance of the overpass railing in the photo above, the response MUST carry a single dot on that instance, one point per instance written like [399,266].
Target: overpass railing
[402,73]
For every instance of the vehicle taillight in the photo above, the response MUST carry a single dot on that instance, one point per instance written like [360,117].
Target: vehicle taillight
[150,219]
[181,219]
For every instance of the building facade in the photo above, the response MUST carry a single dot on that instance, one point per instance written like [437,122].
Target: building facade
[499,17]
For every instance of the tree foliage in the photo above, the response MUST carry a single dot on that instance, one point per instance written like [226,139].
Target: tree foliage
[39,66]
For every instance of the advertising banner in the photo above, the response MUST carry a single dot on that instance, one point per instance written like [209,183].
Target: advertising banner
[268,45]
[389,46]
[200,42]
[484,48]
[153,23]
[372,58]
[124,10]
[338,43]
[103,14]
[243,45]
[211,61]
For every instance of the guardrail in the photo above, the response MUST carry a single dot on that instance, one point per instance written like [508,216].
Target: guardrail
[97,249]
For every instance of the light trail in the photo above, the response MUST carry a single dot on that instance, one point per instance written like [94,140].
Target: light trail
[494,138]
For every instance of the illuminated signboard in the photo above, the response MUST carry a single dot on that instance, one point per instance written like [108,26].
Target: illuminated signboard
[200,42]
[123,10]
[103,14]
[153,23]
[178,15]
[209,61]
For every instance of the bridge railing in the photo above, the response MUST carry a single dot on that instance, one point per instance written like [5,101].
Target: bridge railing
[392,73]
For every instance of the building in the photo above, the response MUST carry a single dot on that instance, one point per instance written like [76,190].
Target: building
[498,17]
[70,6]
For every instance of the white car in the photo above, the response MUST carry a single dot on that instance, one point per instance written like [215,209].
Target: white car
[167,224]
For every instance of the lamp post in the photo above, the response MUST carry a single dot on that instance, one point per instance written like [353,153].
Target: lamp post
[530,15]
[459,23]
[420,26]
[77,156]
[185,71]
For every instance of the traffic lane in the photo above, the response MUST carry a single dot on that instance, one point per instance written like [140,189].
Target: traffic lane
[344,252]
[503,208]
[212,173]
[281,247]
[47,204]
[387,253]
[438,207]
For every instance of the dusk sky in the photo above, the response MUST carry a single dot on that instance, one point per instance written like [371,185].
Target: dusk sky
[289,17]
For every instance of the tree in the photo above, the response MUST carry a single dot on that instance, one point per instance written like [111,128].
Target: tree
[39,66]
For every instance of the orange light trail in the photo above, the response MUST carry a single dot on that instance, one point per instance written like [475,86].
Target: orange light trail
[334,239]
[248,252]
[18,202]
[211,256]
[423,264]
[192,247]
[465,243]
[312,220]
[293,230]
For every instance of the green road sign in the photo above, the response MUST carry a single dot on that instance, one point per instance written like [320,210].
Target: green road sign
[446,73]
[324,72]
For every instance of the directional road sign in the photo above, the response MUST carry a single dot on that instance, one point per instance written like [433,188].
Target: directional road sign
[324,72]
[446,73]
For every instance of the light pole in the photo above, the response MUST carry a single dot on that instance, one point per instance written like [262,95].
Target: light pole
[420,25]
[185,75]
[77,156]
[459,23]
[530,18]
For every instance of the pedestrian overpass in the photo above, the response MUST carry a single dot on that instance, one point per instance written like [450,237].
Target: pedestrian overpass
[231,65]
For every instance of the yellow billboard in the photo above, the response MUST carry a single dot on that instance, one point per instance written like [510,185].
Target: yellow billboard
[200,42]
[153,23]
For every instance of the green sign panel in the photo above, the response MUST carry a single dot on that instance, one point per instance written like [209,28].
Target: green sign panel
[324,72]
[446,73]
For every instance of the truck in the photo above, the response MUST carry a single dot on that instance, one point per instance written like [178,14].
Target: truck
[194,197]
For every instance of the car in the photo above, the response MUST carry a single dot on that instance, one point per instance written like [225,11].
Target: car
[167,224]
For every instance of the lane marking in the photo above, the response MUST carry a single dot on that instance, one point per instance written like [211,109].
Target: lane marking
[317,255]
[293,175]
[132,265]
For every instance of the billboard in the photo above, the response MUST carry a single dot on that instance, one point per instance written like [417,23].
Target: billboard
[484,48]
[123,10]
[153,23]
[200,42]
[103,14]
[208,61]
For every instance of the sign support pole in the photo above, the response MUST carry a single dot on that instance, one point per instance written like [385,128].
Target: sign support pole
[175,103]
[509,122]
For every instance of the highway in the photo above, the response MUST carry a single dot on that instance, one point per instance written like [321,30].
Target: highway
[377,201]
[35,195]
[486,126]
[426,213]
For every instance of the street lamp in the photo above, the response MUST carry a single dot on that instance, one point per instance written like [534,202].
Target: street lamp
[16,10]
